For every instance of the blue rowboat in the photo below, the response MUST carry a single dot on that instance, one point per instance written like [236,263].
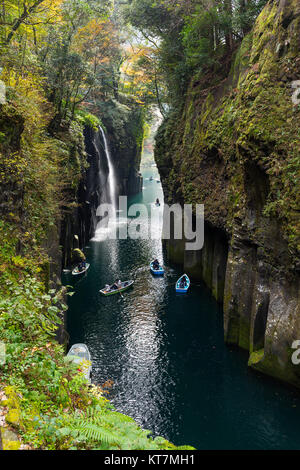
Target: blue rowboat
[157,272]
[183,284]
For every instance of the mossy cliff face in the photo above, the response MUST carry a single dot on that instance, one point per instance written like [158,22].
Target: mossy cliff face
[124,126]
[124,129]
[79,222]
[234,146]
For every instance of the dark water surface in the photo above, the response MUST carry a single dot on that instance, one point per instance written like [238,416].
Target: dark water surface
[166,357]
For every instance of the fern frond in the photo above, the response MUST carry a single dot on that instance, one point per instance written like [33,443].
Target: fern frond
[97,433]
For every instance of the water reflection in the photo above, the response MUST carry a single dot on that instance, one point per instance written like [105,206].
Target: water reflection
[166,355]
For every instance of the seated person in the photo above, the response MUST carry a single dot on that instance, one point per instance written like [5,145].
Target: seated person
[82,265]
[156,264]
[115,285]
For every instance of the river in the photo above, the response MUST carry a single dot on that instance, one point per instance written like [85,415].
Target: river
[165,355]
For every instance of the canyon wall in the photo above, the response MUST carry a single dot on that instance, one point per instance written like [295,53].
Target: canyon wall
[124,129]
[234,147]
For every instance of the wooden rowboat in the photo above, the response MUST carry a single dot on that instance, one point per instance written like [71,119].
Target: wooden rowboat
[111,290]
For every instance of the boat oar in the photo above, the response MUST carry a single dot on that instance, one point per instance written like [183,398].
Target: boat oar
[121,295]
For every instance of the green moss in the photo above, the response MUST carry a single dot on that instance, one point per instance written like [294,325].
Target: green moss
[244,333]
[9,440]
[13,417]
[256,357]
[88,119]
[249,118]
[269,364]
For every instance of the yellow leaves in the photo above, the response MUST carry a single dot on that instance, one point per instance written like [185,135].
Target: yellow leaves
[35,23]
[11,166]
[139,79]
[97,36]
[19,262]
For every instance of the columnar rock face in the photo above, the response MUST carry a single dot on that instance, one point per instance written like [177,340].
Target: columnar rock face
[79,224]
[235,148]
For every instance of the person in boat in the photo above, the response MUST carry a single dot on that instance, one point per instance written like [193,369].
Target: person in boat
[82,265]
[183,282]
[116,285]
[107,288]
[156,264]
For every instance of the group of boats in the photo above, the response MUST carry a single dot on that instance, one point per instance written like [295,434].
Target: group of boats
[182,284]
[79,353]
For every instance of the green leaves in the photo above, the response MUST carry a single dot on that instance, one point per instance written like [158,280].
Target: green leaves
[102,428]
[87,119]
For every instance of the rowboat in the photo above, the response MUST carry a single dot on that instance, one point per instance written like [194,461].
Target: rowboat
[79,354]
[157,272]
[76,271]
[183,284]
[111,290]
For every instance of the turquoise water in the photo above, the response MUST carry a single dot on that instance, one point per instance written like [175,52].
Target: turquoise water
[166,356]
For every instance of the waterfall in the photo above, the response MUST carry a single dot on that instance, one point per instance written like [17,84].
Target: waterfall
[108,183]
[112,187]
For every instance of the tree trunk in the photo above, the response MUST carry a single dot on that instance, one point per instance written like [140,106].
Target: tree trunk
[228,35]
[21,19]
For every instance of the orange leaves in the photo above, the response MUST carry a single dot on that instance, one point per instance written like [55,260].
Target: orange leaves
[97,37]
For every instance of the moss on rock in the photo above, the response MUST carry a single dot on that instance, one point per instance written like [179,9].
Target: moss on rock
[9,440]
[234,147]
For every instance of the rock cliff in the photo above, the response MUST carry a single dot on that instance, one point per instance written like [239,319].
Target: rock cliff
[234,146]
[124,129]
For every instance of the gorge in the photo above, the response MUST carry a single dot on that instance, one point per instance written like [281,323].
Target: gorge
[83,84]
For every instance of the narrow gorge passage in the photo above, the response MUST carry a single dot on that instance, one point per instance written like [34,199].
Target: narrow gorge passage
[166,356]
[193,104]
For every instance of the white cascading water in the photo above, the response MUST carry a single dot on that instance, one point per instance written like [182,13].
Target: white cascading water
[112,189]
[109,194]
